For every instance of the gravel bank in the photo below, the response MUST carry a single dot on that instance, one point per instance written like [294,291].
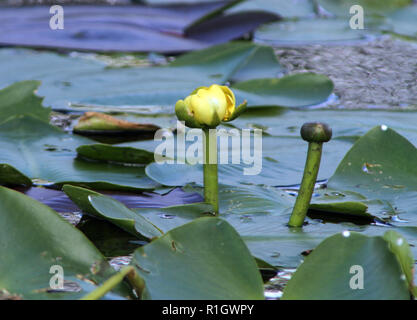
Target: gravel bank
[381,74]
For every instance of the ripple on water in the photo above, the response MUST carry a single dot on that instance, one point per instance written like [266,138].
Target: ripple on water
[119,262]
[275,286]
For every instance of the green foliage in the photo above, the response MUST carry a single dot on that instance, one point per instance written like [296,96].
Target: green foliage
[34,238]
[350,266]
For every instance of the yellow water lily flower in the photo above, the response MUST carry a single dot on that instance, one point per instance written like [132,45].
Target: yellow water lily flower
[207,107]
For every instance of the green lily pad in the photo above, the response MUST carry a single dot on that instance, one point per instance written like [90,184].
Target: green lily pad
[37,150]
[349,208]
[335,206]
[123,217]
[20,98]
[255,61]
[202,260]
[35,238]
[399,246]
[105,152]
[381,165]
[104,207]
[329,271]
[285,91]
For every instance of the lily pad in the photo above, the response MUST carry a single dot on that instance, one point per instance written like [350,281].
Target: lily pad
[348,208]
[399,246]
[285,92]
[105,152]
[381,166]
[20,98]
[35,238]
[139,222]
[256,61]
[105,207]
[123,217]
[95,121]
[334,269]
[204,260]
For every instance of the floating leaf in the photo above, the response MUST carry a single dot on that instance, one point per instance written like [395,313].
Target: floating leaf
[399,246]
[124,217]
[256,61]
[20,98]
[336,268]
[380,166]
[134,222]
[95,121]
[105,152]
[35,238]
[202,260]
[104,207]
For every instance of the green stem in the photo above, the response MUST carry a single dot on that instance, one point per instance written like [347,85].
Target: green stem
[112,282]
[311,171]
[211,185]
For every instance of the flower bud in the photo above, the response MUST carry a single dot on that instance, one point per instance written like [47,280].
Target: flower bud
[316,132]
[206,107]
